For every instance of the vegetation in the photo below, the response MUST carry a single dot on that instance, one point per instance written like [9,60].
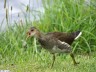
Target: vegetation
[60,15]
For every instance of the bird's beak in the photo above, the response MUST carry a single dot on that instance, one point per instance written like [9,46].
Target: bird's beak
[27,35]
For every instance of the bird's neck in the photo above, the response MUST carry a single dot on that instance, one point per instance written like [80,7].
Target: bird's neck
[39,35]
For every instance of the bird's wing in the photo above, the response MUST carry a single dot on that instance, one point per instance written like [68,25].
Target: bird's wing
[64,37]
[59,46]
[54,41]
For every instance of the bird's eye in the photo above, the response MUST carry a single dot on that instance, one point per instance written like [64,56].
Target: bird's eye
[32,30]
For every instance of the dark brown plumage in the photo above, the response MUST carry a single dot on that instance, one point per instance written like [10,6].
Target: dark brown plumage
[55,42]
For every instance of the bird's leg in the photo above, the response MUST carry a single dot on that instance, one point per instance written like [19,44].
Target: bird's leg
[53,60]
[73,58]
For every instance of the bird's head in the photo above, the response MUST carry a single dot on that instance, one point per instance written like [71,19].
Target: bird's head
[33,31]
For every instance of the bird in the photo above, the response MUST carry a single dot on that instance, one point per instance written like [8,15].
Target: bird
[55,42]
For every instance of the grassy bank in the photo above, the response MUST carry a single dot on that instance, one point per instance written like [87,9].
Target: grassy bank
[62,64]
[64,16]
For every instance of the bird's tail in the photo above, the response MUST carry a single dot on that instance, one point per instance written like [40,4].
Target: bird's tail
[76,34]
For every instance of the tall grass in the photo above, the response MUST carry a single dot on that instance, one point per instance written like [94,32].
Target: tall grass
[60,15]
[68,16]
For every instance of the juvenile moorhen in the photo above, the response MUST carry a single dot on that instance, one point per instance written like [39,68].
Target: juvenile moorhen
[55,42]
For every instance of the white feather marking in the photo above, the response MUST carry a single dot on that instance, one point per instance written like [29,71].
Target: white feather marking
[64,43]
[78,35]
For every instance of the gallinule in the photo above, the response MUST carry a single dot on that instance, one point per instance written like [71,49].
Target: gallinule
[55,42]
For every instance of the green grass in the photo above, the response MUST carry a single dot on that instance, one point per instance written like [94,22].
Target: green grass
[62,64]
[63,16]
